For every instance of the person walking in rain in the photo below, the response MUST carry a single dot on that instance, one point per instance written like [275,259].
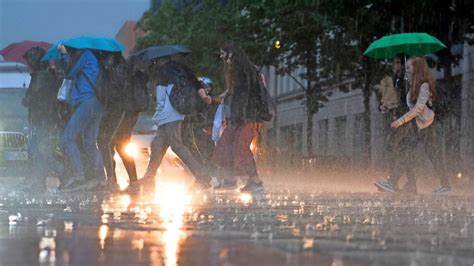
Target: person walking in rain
[399,142]
[233,156]
[40,99]
[169,121]
[117,123]
[420,96]
[79,139]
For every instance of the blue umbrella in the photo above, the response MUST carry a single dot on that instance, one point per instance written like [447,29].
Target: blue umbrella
[97,43]
[52,52]
[85,42]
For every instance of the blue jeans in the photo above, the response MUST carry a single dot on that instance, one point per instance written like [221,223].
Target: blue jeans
[79,140]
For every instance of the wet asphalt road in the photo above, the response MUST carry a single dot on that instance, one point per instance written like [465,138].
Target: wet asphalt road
[177,226]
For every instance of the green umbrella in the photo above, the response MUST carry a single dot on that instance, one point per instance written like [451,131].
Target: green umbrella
[413,44]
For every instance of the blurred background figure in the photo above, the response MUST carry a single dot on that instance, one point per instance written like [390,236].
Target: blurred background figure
[129,97]
[196,128]
[40,100]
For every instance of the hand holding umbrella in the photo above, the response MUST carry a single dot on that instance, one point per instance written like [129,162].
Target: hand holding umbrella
[62,49]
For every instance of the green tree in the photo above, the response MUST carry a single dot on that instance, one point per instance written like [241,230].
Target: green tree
[303,30]
[201,27]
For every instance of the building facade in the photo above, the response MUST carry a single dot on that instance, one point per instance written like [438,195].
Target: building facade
[467,118]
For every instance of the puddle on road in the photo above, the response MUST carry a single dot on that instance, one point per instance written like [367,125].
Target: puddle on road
[179,227]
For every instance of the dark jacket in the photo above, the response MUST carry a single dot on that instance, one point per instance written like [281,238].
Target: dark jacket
[399,84]
[136,80]
[40,98]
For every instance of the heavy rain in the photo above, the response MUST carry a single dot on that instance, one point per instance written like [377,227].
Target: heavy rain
[238,133]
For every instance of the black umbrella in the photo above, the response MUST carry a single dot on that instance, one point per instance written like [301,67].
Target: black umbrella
[155,52]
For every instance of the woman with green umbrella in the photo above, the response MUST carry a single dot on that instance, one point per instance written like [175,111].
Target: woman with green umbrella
[413,44]
[420,96]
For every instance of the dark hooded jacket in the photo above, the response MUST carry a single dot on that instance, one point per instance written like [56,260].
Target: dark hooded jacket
[40,98]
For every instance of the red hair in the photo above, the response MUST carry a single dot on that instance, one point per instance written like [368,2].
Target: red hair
[421,74]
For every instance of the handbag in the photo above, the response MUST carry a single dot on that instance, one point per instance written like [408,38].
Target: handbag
[217,124]
[65,91]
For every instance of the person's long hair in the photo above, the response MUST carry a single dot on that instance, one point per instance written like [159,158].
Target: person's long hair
[421,74]
[239,71]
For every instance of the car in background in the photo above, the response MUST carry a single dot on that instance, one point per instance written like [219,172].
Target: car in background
[14,81]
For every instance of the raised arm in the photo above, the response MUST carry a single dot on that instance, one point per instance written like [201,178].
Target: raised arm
[423,98]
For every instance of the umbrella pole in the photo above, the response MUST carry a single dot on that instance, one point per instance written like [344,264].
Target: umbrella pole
[405,79]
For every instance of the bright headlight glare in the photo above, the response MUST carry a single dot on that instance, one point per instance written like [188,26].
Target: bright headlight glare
[131,149]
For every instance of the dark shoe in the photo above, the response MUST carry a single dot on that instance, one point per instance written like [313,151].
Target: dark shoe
[145,181]
[145,184]
[252,187]
[74,185]
[386,186]
[226,185]
[409,188]
[113,187]
[132,188]
[442,189]
[97,185]
[40,188]
[33,185]
[200,187]
[25,184]
[148,176]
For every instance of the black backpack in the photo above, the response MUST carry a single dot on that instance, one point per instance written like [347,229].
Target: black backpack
[441,105]
[110,85]
[184,96]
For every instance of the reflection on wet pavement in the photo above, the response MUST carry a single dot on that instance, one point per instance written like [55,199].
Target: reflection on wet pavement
[177,226]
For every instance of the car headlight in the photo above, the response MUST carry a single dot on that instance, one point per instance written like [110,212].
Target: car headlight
[131,149]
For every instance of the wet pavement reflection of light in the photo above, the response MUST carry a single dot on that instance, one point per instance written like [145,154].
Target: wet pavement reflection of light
[177,226]
[168,205]
[173,201]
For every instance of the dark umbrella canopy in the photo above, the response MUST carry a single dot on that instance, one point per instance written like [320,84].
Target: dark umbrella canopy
[15,51]
[155,52]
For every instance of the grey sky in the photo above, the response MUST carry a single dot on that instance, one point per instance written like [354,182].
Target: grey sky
[52,20]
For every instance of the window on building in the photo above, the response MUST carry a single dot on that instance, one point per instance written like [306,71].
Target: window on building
[340,135]
[323,139]
[292,138]
[358,136]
